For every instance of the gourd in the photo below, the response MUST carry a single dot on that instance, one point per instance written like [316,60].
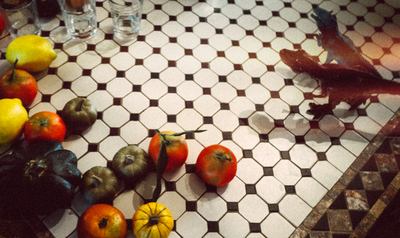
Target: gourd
[152,220]
[130,163]
[39,178]
[79,114]
[99,185]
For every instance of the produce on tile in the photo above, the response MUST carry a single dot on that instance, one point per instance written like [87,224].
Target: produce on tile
[34,53]
[18,84]
[39,178]
[99,185]
[216,165]
[176,147]
[44,126]
[152,220]
[79,114]
[102,221]
[131,163]
[169,152]
[13,117]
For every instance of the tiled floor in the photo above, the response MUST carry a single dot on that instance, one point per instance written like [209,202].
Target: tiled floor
[214,65]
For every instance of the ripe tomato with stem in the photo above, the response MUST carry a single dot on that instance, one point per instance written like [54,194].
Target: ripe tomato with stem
[216,165]
[44,126]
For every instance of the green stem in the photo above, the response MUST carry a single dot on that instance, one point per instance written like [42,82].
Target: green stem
[42,123]
[167,142]
[97,181]
[154,219]
[221,156]
[79,107]
[14,67]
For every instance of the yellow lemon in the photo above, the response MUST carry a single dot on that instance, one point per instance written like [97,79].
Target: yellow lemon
[34,53]
[13,117]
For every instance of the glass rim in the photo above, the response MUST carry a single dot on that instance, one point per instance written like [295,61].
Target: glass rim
[17,9]
[129,1]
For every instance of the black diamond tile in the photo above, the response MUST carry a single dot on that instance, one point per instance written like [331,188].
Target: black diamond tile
[255,227]
[134,117]
[290,189]
[93,147]
[207,91]
[263,137]
[273,207]
[285,155]
[247,154]
[170,186]
[207,120]
[321,156]
[189,104]
[66,85]
[227,135]
[305,172]
[46,98]
[224,106]
[117,101]
[212,226]
[222,79]
[251,189]
[190,168]
[268,171]
[191,206]
[243,121]
[171,118]
[232,206]
[114,132]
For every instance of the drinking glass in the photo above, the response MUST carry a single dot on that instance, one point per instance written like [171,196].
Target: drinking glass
[126,16]
[79,17]
[21,17]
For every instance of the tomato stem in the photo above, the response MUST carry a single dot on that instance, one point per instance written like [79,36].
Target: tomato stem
[80,106]
[129,159]
[167,142]
[221,156]
[42,123]
[97,181]
[103,223]
[14,67]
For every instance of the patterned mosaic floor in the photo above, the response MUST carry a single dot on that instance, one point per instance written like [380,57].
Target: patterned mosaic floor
[214,65]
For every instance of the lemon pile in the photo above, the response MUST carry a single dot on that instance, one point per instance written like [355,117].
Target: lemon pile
[13,117]
[34,53]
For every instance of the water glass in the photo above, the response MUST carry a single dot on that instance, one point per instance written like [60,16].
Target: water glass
[126,16]
[20,17]
[79,17]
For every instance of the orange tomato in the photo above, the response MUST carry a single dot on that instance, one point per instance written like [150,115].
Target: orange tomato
[176,146]
[102,221]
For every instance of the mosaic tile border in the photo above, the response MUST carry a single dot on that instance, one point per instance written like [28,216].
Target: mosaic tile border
[304,230]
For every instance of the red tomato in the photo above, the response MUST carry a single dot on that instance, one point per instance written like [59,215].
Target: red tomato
[176,146]
[44,126]
[102,221]
[216,165]
[20,85]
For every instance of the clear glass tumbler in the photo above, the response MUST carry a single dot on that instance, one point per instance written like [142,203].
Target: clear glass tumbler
[126,16]
[20,17]
[79,17]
